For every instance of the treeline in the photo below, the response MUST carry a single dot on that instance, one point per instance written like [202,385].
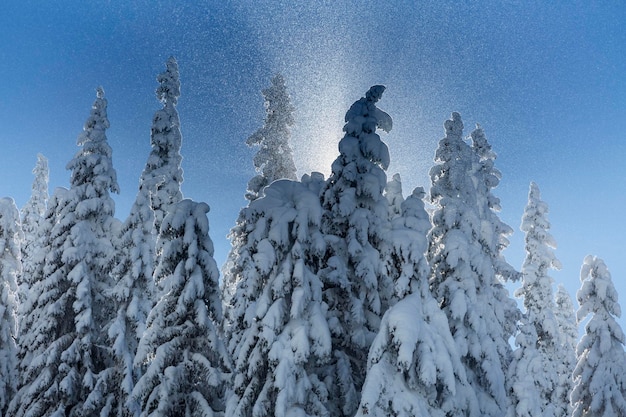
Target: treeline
[339,297]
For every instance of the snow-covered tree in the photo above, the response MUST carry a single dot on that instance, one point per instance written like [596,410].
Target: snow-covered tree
[30,325]
[356,224]
[414,367]
[134,292]
[163,174]
[600,375]
[10,268]
[134,296]
[538,296]
[465,268]
[525,379]
[494,232]
[393,192]
[31,216]
[568,332]
[187,365]
[68,349]
[279,337]
[274,159]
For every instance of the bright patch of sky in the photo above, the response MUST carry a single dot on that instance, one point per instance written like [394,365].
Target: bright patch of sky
[546,80]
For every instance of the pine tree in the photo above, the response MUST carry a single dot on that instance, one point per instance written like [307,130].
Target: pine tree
[10,268]
[280,337]
[465,272]
[356,225]
[568,332]
[538,296]
[32,215]
[68,349]
[600,374]
[187,365]
[414,367]
[274,159]
[163,174]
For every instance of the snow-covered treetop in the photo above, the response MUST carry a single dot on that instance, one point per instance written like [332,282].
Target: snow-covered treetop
[35,208]
[450,176]
[169,83]
[535,220]
[163,175]
[393,192]
[93,164]
[454,126]
[597,293]
[10,236]
[274,159]
[540,257]
[566,317]
[358,178]
[490,174]
[495,231]
[362,120]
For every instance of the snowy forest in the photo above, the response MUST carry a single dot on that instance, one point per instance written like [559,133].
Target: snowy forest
[340,297]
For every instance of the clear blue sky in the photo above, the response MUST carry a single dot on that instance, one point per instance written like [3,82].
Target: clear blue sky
[546,80]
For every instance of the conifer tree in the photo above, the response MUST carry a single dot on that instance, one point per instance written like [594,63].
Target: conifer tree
[187,366]
[31,217]
[393,192]
[414,367]
[538,296]
[600,375]
[10,268]
[494,232]
[464,274]
[134,292]
[274,159]
[163,174]
[68,349]
[524,379]
[356,225]
[36,228]
[279,337]
[568,336]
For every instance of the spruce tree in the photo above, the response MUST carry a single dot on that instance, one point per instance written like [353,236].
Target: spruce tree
[538,296]
[414,367]
[393,193]
[134,293]
[356,224]
[163,174]
[525,379]
[600,374]
[568,337]
[274,159]
[69,349]
[279,337]
[187,368]
[465,269]
[10,268]
[31,217]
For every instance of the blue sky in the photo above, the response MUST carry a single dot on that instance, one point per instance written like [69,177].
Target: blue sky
[546,80]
